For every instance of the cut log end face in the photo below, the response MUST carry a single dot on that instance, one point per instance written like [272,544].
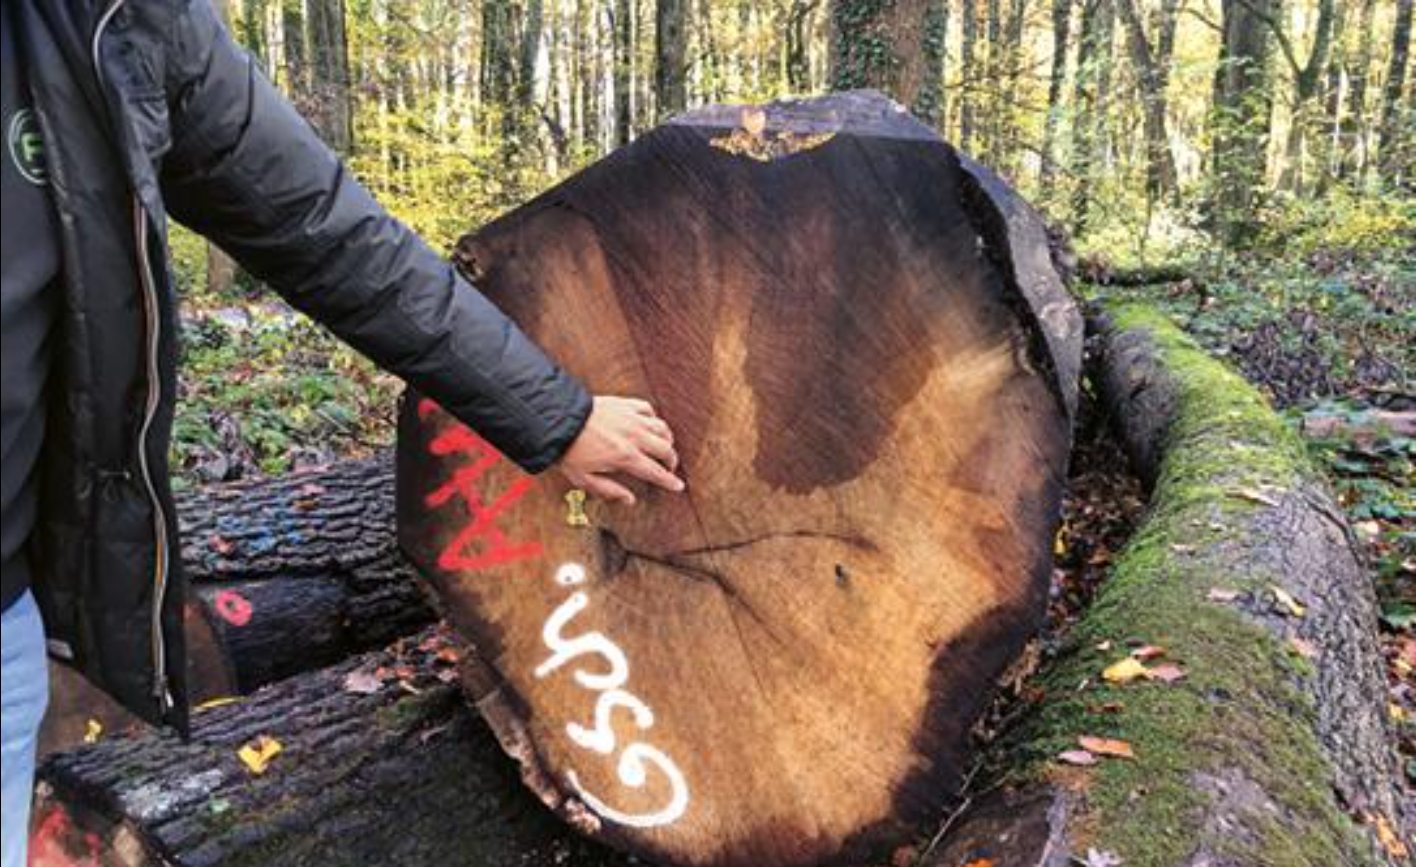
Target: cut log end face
[781,665]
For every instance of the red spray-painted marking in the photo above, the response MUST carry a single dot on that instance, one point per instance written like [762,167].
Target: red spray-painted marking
[480,542]
[47,845]
[232,607]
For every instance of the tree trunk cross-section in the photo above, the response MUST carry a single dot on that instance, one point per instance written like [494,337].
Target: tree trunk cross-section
[869,365]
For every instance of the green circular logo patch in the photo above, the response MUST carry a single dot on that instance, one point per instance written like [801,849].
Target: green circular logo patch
[27,147]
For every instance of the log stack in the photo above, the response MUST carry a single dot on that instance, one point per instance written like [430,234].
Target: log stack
[871,366]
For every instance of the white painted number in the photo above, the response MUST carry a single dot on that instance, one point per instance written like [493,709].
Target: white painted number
[637,758]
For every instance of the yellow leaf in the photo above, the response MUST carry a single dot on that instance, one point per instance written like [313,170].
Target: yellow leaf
[93,730]
[221,701]
[1388,837]
[257,754]
[754,120]
[1124,671]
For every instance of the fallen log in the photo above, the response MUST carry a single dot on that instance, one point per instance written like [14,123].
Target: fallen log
[287,574]
[375,761]
[1256,734]
[870,365]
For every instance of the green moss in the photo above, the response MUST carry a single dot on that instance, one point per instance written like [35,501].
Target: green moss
[1240,708]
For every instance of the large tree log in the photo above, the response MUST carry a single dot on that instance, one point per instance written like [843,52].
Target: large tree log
[287,574]
[869,363]
[381,763]
[1274,750]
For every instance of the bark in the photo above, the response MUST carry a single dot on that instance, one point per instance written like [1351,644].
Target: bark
[286,575]
[624,28]
[1241,115]
[893,47]
[1276,715]
[1152,61]
[1354,137]
[671,56]
[968,98]
[771,598]
[397,772]
[1056,82]
[1307,81]
[1092,85]
[1397,148]
[798,39]
[331,112]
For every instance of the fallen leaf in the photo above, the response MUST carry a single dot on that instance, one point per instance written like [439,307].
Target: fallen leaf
[1080,758]
[219,701]
[257,754]
[1106,747]
[1221,594]
[981,862]
[1125,671]
[1387,836]
[449,655]
[1166,673]
[1148,652]
[311,489]
[362,682]
[219,544]
[1286,603]
[1104,646]
[93,730]
[1254,495]
[1303,647]
[1099,858]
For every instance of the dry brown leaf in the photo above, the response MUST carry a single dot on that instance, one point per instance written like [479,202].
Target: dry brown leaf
[1388,837]
[1079,758]
[1106,747]
[1166,673]
[1147,652]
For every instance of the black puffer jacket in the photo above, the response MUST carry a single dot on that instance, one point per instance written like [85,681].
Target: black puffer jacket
[149,109]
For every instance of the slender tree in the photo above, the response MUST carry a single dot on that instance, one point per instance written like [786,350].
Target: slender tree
[1240,119]
[671,56]
[330,109]
[1396,133]
[1152,60]
[1056,82]
[1093,81]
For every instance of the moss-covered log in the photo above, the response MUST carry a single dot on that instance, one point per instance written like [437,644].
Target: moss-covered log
[287,574]
[379,762]
[1273,749]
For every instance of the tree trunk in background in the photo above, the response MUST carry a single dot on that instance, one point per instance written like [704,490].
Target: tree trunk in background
[1057,80]
[968,45]
[1152,64]
[1241,116]
[798,37]
[1396,133]
[292,33]
[1092,82]
[1307,78]
[1353,140]
[330,109]
[897,48]
[671,56]
[252,32]
[623,18]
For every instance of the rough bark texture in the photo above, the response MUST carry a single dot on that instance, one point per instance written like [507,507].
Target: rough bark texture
[287,575]
[1274,750]
[869,365]
[399,773]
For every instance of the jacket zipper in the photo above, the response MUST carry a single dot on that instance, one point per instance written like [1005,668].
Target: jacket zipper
[153,318]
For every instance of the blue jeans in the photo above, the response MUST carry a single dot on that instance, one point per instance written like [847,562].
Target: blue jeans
[24,693]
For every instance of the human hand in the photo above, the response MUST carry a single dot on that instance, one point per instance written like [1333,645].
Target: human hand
[622,435]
